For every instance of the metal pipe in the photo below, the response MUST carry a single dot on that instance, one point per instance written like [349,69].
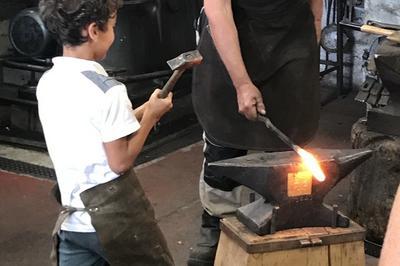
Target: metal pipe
[339,60]
[146,76]
[25,66]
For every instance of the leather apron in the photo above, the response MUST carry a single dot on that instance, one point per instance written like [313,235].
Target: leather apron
[124,221]
[280,52]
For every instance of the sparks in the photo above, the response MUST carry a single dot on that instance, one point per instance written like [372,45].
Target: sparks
[312,164]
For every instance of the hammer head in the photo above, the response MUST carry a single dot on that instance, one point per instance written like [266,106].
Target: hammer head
[185,60]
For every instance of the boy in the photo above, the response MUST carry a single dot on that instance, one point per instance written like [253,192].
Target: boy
[93,137]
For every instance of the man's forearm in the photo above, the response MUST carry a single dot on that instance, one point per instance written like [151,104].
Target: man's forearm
[317,8]
[390,254]
[225,36]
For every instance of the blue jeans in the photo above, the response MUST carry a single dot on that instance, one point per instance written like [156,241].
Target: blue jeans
[80,249]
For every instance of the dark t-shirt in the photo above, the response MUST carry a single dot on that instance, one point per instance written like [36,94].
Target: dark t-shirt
[268,8]
[264,5]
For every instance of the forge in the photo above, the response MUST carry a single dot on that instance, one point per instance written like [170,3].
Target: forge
[290,196]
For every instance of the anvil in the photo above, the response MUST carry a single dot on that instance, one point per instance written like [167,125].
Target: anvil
[291,197]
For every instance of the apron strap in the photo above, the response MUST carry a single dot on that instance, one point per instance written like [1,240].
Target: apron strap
[62,216]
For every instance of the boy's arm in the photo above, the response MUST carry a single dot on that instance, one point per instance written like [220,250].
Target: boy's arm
[122,153]
[138,112]
[390,254]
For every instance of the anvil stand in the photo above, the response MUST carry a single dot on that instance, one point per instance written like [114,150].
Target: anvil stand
[291,198]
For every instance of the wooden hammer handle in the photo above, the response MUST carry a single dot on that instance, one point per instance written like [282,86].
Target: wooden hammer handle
[171,83]
[376,30]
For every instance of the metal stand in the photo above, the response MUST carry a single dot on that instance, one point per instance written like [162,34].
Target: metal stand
[338,65]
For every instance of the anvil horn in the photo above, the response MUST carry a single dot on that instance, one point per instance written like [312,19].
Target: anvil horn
[348,162]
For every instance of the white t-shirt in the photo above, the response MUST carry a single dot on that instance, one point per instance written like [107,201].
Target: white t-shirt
[80,108]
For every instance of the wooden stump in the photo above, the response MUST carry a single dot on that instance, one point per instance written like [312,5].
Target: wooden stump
[374,183]
[321,246]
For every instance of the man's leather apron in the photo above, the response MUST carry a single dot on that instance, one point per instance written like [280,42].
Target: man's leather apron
[280,52]
[124,221]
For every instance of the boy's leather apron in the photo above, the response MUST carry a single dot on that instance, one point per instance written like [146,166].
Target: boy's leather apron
[280,52]
[124,221]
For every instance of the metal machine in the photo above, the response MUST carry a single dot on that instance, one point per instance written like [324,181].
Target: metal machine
[148,33]
[381,89]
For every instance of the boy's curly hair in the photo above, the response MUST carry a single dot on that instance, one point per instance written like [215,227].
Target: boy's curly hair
[67,18]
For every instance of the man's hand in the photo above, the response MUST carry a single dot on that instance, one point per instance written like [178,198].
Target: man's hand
[250,101]
[157,107]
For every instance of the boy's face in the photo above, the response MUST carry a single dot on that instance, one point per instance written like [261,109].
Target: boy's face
[105,38]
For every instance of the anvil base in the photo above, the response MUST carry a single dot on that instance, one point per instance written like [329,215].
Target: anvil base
[264,218]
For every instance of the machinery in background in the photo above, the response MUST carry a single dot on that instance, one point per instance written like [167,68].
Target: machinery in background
[373,185]
[148,33]
[381,89]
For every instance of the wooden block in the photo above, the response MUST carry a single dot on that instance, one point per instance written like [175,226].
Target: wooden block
[351,253]
[229,253]
[288,239]
[322,246]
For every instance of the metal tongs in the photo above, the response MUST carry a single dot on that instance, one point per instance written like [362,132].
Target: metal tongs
[278,133]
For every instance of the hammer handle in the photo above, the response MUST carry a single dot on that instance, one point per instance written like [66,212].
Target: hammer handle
[171,83]
[376,30]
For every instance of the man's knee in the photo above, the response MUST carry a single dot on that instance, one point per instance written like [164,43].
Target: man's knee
[214,153]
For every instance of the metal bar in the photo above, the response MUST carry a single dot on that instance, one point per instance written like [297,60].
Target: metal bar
[1,72]
[146,76]
[333,63]
[350,25]
[327,62]
[136,2]
[25,66]
[383,25]
[372,248]
[334,221]
[23,141]
[329,70]
[279,133]
[16,100]
[339,54]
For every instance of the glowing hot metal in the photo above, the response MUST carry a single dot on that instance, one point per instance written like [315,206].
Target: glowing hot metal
[308,159]
[312,164]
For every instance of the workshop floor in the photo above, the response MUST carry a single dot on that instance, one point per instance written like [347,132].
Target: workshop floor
[171,182]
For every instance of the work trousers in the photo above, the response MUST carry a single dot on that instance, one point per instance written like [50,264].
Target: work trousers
[83,249]
[219,195]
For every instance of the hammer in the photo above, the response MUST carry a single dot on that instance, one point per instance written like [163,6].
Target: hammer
[392,35]
[179,65]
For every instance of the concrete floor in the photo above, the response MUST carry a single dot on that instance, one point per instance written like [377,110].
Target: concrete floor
[171,182]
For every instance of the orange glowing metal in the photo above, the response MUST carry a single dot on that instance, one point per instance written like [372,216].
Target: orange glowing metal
[312,164]
[299,183]
[308,159]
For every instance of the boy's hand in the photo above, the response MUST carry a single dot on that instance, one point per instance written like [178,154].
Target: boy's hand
[157,107]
